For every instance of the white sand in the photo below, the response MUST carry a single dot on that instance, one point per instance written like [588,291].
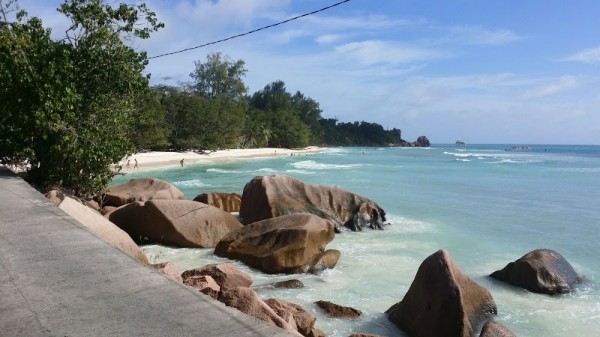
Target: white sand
[161,160]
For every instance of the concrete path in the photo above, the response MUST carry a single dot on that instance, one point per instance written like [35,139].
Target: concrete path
[58,279]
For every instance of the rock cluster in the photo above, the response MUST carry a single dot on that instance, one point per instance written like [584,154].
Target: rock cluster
[286,227]
[231,286]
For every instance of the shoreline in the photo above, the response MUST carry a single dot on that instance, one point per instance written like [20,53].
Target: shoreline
[156,160]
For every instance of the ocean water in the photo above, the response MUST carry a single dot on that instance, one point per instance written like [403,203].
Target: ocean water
[487,206]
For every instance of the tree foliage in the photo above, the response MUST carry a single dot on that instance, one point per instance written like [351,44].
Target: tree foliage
[67,106]
[219,76]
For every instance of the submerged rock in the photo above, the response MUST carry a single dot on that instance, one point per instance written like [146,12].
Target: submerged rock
[442,301]
[178,223]
[268,197]
[540,271]
[228,202]
[288,244]
[288,284]
[336,310]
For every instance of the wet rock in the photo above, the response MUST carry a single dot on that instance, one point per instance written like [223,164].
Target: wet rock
[493,329]
[541,271]
[302,319]
[442,301]
[335,310]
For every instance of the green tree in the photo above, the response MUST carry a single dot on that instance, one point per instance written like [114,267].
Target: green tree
[219,76]
[150,128]
[309,112]
[67,105]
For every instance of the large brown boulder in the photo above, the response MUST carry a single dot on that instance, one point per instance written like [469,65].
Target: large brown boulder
[302,319]
[98,225]
[267,197]
[442,301]
[336,310]
[142,189]
[493,329]
[229,202]
[541,271]
[287,244]
[178,223]
[246,301]
[226,275]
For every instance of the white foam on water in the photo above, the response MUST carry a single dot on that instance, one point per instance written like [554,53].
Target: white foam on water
[267,169]
[191,183]
[218,170]
[313,165]
[300,171]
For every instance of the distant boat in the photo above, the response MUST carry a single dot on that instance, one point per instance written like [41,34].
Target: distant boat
[460,142]
[520,148]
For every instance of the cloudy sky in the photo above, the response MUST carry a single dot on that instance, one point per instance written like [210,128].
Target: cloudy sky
[507,71]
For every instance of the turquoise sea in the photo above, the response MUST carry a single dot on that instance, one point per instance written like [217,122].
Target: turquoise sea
[487,206]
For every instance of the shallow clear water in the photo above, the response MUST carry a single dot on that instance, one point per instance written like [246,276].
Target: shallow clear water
[485,205]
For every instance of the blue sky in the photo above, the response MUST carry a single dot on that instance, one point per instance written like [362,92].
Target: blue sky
[486,71]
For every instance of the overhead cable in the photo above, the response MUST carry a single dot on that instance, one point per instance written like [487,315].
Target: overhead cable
[250,32]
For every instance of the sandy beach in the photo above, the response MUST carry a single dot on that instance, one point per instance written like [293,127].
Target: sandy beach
[162,160]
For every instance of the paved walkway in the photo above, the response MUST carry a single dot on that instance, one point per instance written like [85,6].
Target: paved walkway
[58,279]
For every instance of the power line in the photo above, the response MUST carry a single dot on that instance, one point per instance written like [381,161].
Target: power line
[252,31]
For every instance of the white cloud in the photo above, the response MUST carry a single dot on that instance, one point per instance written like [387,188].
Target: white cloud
[481,36]
[372,52]
[591,55]
[556,86]
[328,38]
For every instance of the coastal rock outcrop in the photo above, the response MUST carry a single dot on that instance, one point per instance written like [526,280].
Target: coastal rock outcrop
[178,223]
[245,300]
[268,197]
[206,284]
[336,310]
[422,141]
[442,301]
[142,189]
[292,243]
[226,275]
[300,318]
[288,284]
[228,202]
[98,225]
[493,329]
[169,270]
[540,271]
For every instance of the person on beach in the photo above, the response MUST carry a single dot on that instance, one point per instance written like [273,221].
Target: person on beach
[181,162]
[135,166]
[128,166]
